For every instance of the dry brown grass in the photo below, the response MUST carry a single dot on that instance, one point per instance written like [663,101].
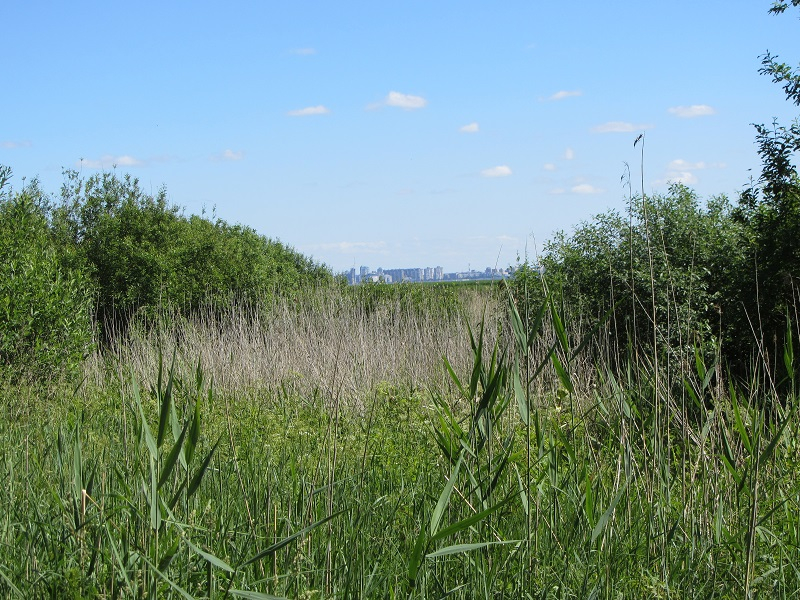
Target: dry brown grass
[329,342]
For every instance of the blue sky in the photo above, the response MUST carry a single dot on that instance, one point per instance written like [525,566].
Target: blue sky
[393,134]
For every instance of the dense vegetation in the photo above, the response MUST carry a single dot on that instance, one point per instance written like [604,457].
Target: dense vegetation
[191,410]
[105,250]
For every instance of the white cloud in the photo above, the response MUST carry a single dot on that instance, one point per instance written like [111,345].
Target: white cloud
[303,51]
[309,110]
[499,171]
[471,128]
[549,167]
[682,171]
[585,188]
[619,127]
[695,110]
[231,155]
[561,95]
[404,101]
[12,144]
[682,165]
[684,177]
[569,154]
[107,161]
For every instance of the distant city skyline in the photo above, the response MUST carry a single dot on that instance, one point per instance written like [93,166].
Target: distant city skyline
[420,274]
[464,133]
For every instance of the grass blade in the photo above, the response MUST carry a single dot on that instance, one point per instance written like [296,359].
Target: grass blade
[444,498]
[462,548]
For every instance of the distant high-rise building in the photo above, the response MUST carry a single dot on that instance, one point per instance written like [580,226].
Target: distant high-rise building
[428,274]
[364,271]
[438,274]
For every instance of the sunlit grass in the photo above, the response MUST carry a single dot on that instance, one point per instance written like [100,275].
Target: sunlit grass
[512,469]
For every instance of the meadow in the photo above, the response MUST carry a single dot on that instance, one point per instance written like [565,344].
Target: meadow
[383,442]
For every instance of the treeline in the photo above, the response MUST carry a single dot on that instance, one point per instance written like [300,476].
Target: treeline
[104,250]
[672,273]
[684,276]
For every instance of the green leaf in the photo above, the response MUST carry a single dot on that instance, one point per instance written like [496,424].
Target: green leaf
[172,458]
[169,555]
[415,559]
[194,433]
[198,476]
[558,326]
[522,493]
[767,453]
[468,522]
[284,542]
[601,523]
[444,498]
[167,580]
[463,548]
[148,436]
[11,585]
[454,377]
[562,373]
[739,424]
[217,562]
[166,401]
[516,325]
[254,595]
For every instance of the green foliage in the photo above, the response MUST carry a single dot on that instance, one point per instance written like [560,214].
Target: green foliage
[770,209]
[141,252]
[45,320]
[440,300]
[667,274]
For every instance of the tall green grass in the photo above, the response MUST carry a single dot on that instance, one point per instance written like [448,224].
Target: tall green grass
[511,467]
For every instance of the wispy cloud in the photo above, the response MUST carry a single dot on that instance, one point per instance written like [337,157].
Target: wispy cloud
[569,154]
[303,51]
[695,110]
[507,239]
[620,127]
[683,171]
[684,165]
[585,188]
[684,177]
[108,161]
[499,171]
[398,100]
[471,128]
[563,94]
[308,111]
[549,167]
[11,145]
[558,191]
[229,154]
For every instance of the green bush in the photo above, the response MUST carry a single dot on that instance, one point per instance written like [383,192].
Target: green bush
[45,322]
[669,273]
[141,252]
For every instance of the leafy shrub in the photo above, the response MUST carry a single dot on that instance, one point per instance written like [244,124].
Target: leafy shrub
[142,252]
[45,322]
[669,273]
